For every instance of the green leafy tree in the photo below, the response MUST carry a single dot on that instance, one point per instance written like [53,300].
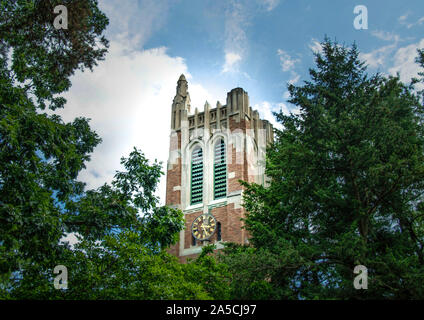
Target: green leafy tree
[346,189]
[119,266]
[121,229]
[42,57]
[121,234]
[128,203]
[40,155]
[212,274]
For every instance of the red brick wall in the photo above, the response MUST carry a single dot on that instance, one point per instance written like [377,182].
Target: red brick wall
[173,175]
[228,216]
[190,217]
[173,179]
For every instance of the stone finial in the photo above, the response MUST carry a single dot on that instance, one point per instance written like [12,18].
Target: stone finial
[182,86]
[181,104]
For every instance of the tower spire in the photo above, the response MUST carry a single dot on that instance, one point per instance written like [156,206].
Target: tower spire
[181,103]
[182,86]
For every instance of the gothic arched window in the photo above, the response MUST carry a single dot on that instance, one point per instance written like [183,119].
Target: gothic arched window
[220,170]
[196,176]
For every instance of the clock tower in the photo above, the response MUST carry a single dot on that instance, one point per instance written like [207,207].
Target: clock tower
[210,151]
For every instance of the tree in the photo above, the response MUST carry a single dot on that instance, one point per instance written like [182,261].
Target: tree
[346,187]
[128,203]
[121,228]
[210,273]
[420,61]
[122,233]
[42,57]
[40,155]
[253,268]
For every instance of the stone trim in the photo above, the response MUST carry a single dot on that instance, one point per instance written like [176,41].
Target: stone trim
[198,249]
[193,208]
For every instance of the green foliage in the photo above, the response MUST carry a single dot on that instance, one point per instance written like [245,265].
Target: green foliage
[119,267]
[346,188]
[43,58]
[253,269]
[210,273]
[119,254]
[40,155]
[122,230]
[102,212]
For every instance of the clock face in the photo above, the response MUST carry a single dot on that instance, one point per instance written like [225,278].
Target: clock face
[203,227]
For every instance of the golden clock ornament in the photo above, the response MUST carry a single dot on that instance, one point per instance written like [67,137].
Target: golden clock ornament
[203,227]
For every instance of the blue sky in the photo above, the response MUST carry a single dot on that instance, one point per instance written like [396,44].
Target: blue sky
[258,45]
[203,31]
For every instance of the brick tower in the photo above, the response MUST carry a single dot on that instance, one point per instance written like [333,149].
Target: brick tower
[209,153]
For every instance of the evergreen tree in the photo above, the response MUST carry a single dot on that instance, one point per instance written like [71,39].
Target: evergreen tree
[346,189]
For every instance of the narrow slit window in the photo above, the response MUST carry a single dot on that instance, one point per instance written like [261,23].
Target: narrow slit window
[218,231]
[197,176]
[220,170]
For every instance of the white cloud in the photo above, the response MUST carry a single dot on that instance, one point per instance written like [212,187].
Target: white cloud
[386,36]
[235,46]
[269,4]
[238,14]
[417,23]
[129,98]
[378,57]
[316,46]
[404,62]
[266,109]
[231,61]
[133,22]
[395,59]
[287,62]
[295,78]
[403,21]
[402,18]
